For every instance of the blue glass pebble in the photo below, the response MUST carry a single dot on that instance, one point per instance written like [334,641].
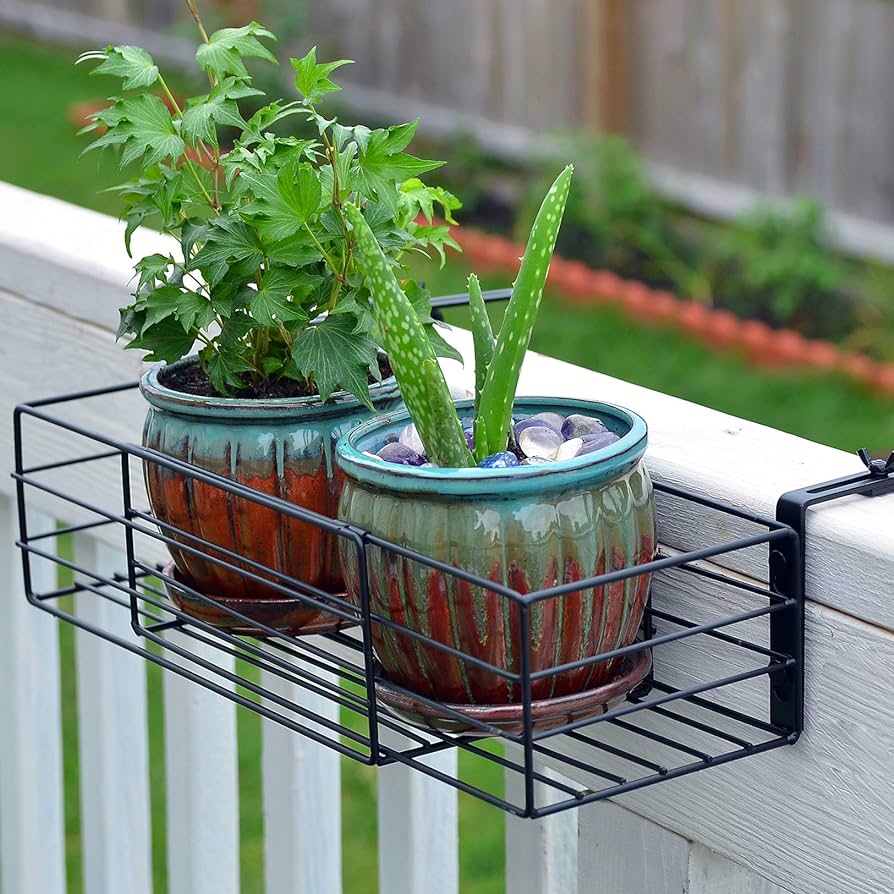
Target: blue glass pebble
[499,461]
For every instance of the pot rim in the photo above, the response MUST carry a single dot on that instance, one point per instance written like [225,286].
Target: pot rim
[162,397]
[589,469]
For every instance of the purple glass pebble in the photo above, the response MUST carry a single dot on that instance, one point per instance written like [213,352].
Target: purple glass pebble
[499,461]
[538,422]
[401,455]
[578,426]
[597,442]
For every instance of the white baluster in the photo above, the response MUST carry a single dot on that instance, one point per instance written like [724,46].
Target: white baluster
[202,781]
[113,736]
[541,854]
[302,797]
[32,845]
[418,831]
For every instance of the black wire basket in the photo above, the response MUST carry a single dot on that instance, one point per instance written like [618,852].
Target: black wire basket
[715,675]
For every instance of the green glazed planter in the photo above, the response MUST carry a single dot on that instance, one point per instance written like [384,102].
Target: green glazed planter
[528,528]
[280,446]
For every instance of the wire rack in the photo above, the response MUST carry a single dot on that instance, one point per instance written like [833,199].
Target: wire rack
[726,671]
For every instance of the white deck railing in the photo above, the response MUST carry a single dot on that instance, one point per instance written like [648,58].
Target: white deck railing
[814,819]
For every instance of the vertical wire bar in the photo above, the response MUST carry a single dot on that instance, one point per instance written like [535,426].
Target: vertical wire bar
[368,657]
[128,543]
[527,718]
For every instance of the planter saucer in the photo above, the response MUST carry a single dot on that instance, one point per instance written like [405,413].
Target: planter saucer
[547,713]
[284,615]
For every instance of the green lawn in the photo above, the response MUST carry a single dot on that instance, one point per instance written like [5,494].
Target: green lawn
[40,151]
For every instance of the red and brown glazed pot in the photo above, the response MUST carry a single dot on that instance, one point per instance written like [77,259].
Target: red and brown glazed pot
[526,528]
[280,446]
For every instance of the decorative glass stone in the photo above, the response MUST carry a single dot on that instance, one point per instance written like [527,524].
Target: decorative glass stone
[534,461]
[578,426]
[499,461]
[597,442]
[409,437]
[371,455]
[539,440]
[401,455]
[537,422]
[570,448]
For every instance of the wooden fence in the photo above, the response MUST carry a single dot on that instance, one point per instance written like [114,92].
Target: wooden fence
[730,101]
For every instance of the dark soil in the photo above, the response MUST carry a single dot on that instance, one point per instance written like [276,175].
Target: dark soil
[192,380]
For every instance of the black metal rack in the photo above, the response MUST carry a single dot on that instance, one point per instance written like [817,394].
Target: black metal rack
[675,723]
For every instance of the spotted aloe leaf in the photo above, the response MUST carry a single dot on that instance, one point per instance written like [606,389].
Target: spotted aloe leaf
[483,337]
[494,413]
[422,384]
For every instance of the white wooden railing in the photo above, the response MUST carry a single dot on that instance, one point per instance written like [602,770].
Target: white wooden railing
[814,819]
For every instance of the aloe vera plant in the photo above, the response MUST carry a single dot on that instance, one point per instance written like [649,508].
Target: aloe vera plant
[498,362]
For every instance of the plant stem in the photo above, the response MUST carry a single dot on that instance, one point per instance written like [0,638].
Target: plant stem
[186,158]
[194,11]
[329,262]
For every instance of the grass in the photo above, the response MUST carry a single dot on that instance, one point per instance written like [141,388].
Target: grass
[40,152]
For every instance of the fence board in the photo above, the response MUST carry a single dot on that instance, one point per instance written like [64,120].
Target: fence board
[32,845]
[541,855]
[202,782]
[302,804]
[418,845]
[113,737]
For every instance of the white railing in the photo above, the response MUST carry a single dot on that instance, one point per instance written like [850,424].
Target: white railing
[814,819]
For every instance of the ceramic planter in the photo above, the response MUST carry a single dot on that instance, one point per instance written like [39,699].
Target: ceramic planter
[530,528]
[279,446]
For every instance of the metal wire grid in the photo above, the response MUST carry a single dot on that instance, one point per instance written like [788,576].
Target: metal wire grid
[660,732]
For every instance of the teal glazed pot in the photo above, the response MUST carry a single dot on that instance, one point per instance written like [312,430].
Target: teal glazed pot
[279,446]
[528,528]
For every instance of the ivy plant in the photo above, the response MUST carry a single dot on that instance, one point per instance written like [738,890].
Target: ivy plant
[267,278]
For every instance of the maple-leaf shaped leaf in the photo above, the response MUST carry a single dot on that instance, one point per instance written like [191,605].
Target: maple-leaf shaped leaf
[228,241]
[279,298]
[194,311]
[166,341]
[312,78]
[203,113]
[143,126]
[223,369]
[336,358]
[133,65]
[284,202]
[422,198]
[223,53]
[382,167]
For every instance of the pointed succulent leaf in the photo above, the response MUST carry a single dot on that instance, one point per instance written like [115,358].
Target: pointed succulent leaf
[483,338]
[498,393]
[410,353]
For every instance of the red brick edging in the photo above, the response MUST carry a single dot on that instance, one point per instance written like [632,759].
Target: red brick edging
[581,285]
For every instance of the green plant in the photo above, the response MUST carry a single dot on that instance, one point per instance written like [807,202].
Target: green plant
[774,263]
[423,386]
[268,280]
